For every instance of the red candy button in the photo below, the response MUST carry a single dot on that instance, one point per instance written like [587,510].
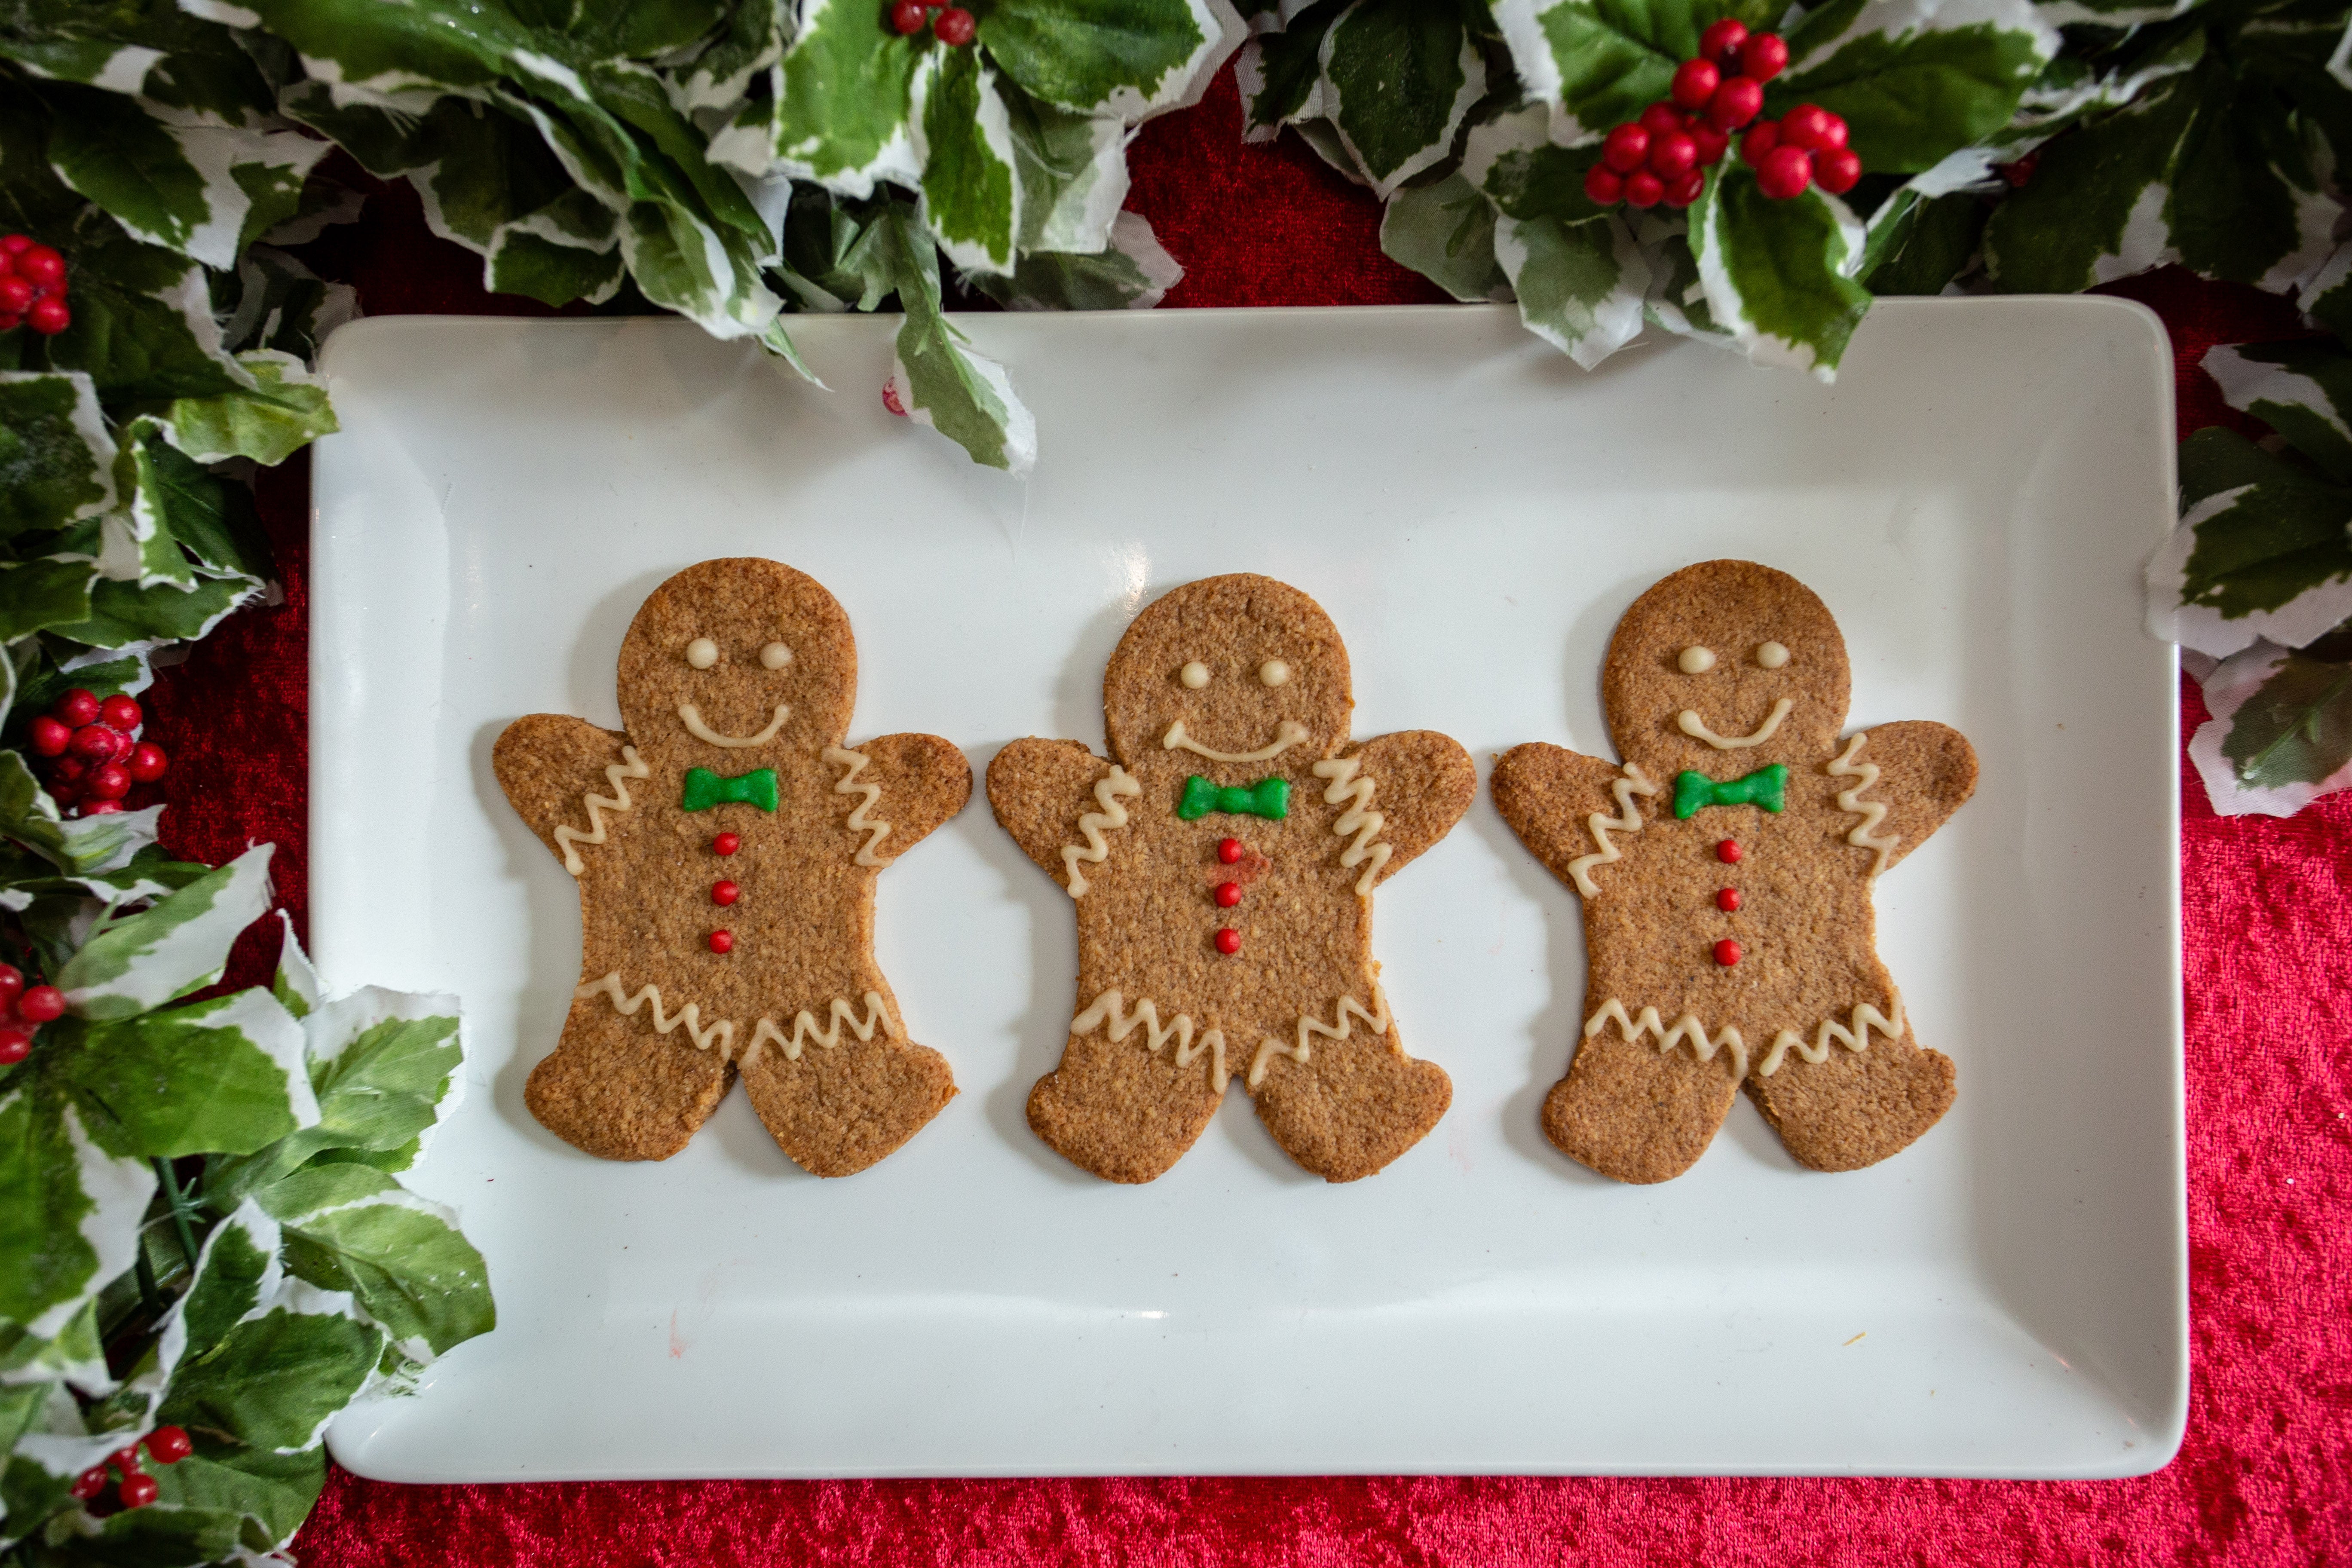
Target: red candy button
[1726,953]
[1727,901]
[722,942]
[1728,851]
[725,892]
[1228,850]
[1228,895]
[1229,941]
[726,844]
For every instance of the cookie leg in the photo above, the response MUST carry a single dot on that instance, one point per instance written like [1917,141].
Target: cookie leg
[837,1110]
[1121,1111]
[1856,1107]
[1353,1106]
[1634,1113]
[616,1089]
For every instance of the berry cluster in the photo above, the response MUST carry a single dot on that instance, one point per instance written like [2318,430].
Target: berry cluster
[952,25]
[1804,147]
[32,287]
[22,1013]
[166,1446]
[98,755]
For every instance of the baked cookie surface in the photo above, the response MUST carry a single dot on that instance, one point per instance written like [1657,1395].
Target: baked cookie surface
[1221,864]
[1725,868]
[726,845]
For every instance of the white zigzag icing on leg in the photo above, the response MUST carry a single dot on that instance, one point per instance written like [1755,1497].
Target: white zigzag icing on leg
[1377,1021]
[1111,1007]
[1856,1040]
[1686,1027]
[804,1026]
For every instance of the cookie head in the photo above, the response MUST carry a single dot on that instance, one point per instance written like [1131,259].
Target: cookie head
[1722,667]
[732,663]
[1237,673]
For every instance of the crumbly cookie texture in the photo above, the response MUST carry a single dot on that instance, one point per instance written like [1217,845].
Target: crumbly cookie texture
[726,845]
[1220,864]
[1726,867]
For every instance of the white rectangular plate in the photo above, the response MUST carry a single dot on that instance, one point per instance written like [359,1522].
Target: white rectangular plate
[1973,498]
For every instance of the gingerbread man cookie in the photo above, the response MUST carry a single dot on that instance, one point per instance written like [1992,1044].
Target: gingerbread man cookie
[1725,868]
[1221,865]
[726,845]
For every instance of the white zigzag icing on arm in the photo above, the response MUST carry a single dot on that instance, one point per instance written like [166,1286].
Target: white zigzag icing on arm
[1856,1040]
[1094,852]
[806,1030]
[1686,1027]
[690,1016]
[1377,1021]
[632,767]
[1627,820]
[841,756]
[1359,820]
[1872,812]
[1111,1006]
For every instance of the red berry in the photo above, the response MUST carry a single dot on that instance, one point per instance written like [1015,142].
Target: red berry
[147,762]
[1672,156]
[12,984]
[726,844]
[1625,148]
[111,781]
[1643,188]
[1685,188]
[1603,185]
[41,1004]
[1712,144]
[169,1445]
[44,266]
[1228,894]
[1660,117]
[1763,57]
[1229,941]
[1760,138]
[16,245]
[1228,850]
[138,1490]
[722,942]
[1739,101]
[48,317]
[1726,953]
[1722,39]
[1727,901]
[68,771]
[1694,83]
[76,708]
[17,295]
[1784,173]
[10,324]
[50,737]
[955,27]
[907,18]
[15,1044]
[725,892]
[95,742]
[125,1459]
[2017,174]
[92,1481]
[1808,126]
[1836,171]
[121,713]
[1727,851]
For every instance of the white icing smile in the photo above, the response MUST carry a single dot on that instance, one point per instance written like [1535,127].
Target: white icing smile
[1289,733]
[1696,727]
[692,717]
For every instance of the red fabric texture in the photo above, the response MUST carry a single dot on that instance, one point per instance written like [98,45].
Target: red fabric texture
[2264,1477]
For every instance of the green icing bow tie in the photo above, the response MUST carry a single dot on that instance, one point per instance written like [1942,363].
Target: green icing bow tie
[705,789]
[1267,797]
[1763,787]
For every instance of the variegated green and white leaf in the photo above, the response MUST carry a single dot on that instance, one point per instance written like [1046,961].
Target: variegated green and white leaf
[1280,72]
[226,1076]
[286,411]
[401,1258]
[1133,272]
[546,259]
[840,115]
[1918,245]
[1778,274]
[71,1221]
[2302,390]
[1598,63]
[964,142]
[936,378]
[1581,286]
[85,844]
[1445,232]
[1397,78]
[57,460]
[2262,551]
[284,306]
[1072,173]
[277,1376]
[170,949]
[142,319]
[1915,79]
[2281,733]
[122,614]
[720,75]
[1125,60]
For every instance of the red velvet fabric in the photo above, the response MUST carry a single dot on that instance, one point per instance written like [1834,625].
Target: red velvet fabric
[2265,1476]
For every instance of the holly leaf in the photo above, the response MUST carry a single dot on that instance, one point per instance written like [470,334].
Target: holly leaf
[142,323]
[1134,272]
[1398,79]
[352,1228]
[1601,62]
[282,305]
[2302,390]
[275,1492]
[38,594]
[2262,551]
[1581,286]
[277,1377]
[1445,232]
[939,382]
[840,111]
[122,614]
[1917,245]
[1124,59]
[1280,73]
[71,1221]
[1776,273]
[286,410]
[223,1076]
[963,139]
[1071,170]
[1914,79]
[2281,733]
[2328,298]
[55,457]
[177,945]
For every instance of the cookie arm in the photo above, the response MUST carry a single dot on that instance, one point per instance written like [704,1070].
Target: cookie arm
[1038,790]
[549,764]
[1925,771]
[1423,781]
[908,784]
[1548,793]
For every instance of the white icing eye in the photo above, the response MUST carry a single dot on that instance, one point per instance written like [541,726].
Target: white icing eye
[703,653]
[775,656]
[1696,660]
[1772,656]
[1273,672]
[1195,675]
